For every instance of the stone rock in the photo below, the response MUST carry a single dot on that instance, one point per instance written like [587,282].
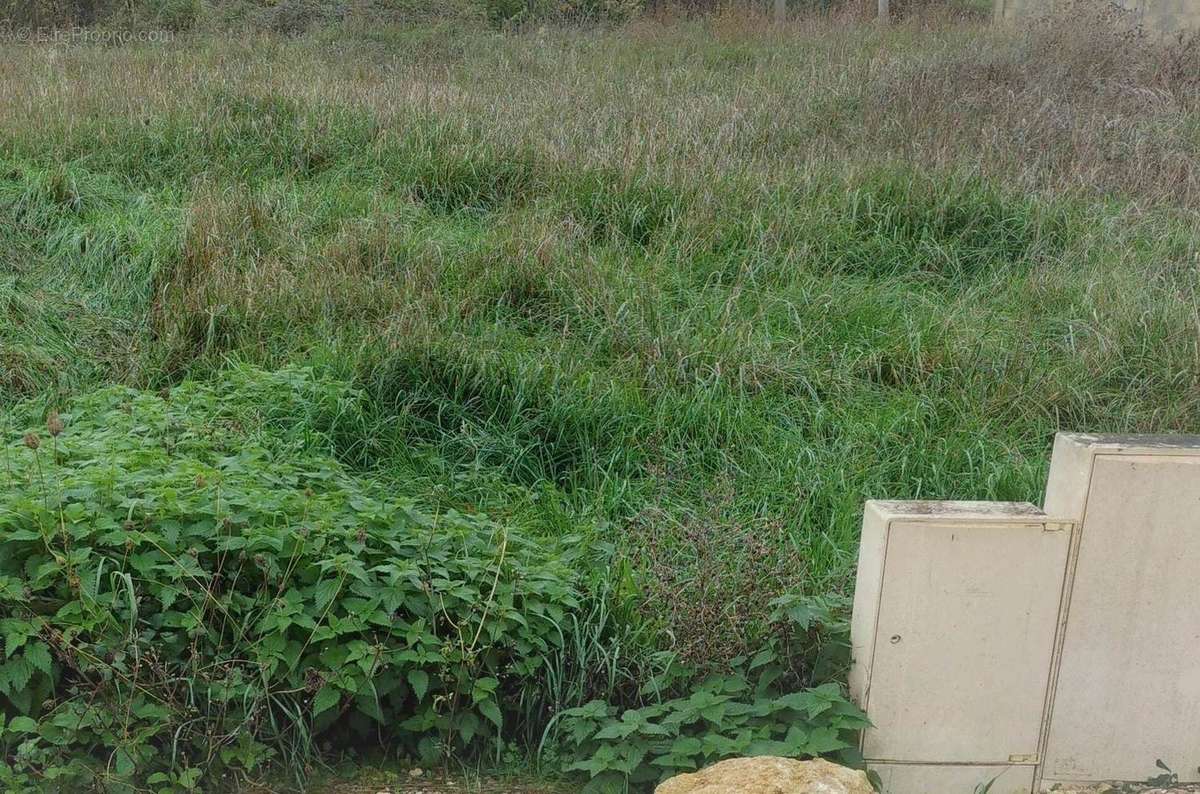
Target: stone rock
[769,775]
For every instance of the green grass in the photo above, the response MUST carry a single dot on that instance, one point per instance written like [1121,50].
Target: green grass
[697,288]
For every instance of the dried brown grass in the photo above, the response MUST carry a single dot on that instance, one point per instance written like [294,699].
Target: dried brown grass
[1076,102]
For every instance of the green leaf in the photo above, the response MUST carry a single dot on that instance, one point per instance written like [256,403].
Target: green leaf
[123,762]
[489,709]
[770,747]
[22,724]
[15,675]
[419,681]
[325,591]
[368,704]
[765,656]
[824,740]
[484,688]
[606,783]
[328,697]
[38,655]
[468,727]
[616,730]
[16,632]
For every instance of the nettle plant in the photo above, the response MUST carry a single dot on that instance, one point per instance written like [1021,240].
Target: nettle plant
[182,598]
[194,592]
[723,717]
[747,712]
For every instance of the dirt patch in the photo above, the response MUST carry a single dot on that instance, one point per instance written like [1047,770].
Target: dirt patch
[408,782]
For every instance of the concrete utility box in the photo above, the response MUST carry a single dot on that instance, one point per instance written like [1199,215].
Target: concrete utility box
[1000,642]
[1128,676]
[955,615]
[1164,16]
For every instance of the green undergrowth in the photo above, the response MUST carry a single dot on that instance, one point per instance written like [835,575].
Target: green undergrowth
[194,591]
[718,374]
[666,307]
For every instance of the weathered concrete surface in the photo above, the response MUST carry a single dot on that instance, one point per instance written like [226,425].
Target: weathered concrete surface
[1028,650]
[955,612]
[769,775]
[1124,788]
[1164,16]
[1128,685]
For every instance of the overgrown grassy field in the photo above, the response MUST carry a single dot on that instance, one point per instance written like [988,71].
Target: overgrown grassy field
[685,290]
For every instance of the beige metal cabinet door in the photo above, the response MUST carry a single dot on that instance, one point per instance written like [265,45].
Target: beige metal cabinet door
[954,778]
[1128,690]
[967,605]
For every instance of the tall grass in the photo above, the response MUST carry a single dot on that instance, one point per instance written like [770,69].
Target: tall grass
[701,286]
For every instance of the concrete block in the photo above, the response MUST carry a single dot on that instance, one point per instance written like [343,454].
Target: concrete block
[1039,648]
[1158,16]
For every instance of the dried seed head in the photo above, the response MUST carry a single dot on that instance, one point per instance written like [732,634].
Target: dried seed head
[32,441]
[200,481]
[54,423]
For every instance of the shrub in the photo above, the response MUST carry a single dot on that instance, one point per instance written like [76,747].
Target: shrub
[186,587]
[757,709]
[515,12]
[192,588]
[725,716]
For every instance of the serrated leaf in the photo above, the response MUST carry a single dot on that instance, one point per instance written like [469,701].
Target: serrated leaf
[325,591]
[419,681]
[15,675]
[123,762]
[605,783]
[368,704]
[15,635]
[823,740]
[484,688]
[38,655]
[616,730]
[468,727]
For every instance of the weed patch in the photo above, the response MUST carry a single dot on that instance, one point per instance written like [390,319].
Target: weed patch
[900,224]
[192,589]
[666,300]
[496,412]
